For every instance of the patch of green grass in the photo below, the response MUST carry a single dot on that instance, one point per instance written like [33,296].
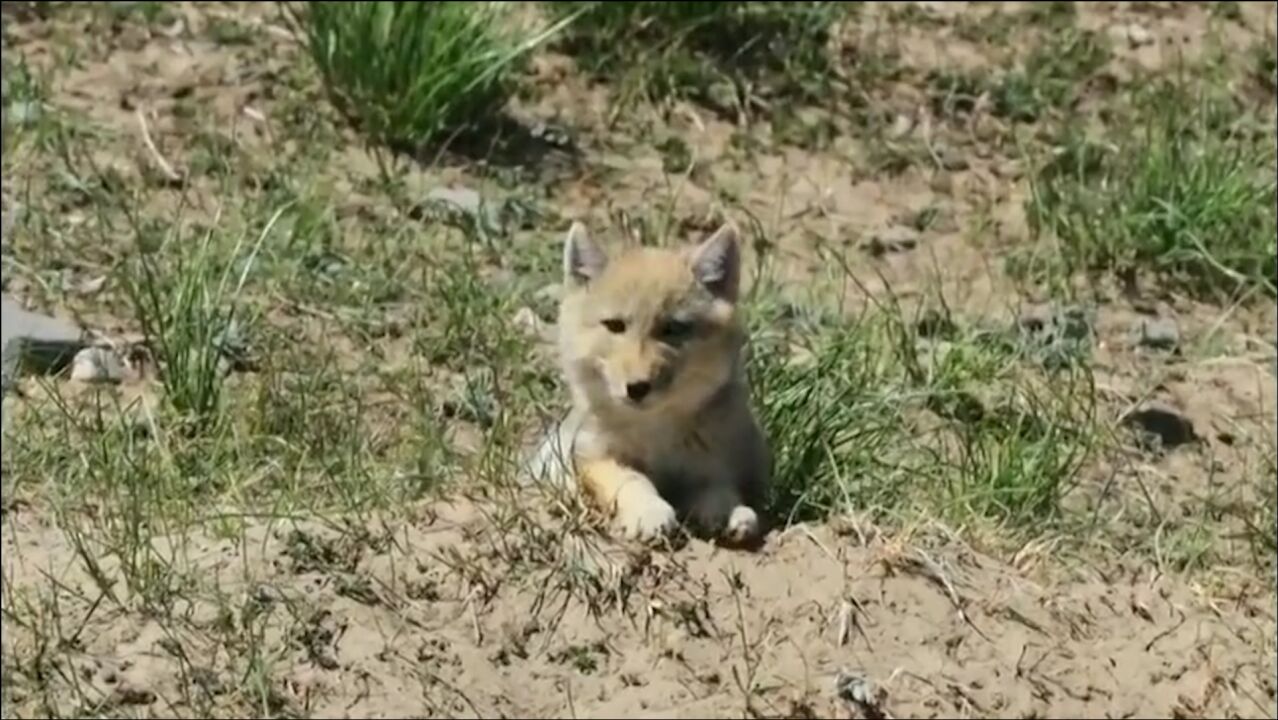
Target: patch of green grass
[150,13]
[955,92]
[903,418]
[408,74]
[692,48]
[1226,10]
[1051,14]
[227,31]
[1184,193]
[388,368]
[114,485]
[28,122]
[1051,77]
[189,313]
[23,92]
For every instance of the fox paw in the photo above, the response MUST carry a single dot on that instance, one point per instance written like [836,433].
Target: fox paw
[743,525]
[649,520]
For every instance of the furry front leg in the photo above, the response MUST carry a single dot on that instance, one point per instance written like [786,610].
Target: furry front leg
[630,497]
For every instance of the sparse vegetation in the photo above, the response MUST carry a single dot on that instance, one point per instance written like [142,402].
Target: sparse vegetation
[408,73]
[689,48]
[1051,77]
[303,497]
[1175,194]
[874,417]
[190,317]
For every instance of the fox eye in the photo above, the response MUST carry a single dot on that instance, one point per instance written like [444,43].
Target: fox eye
[615,325]
[674,330]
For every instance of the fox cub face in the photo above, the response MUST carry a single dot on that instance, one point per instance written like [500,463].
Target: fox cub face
[652,331]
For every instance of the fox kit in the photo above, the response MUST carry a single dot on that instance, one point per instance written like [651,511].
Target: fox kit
[652,349]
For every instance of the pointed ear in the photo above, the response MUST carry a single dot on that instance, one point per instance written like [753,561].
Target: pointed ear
[583,260]
[716,263]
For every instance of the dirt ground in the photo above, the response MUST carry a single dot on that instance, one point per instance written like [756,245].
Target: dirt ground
[701,633]
[514,605]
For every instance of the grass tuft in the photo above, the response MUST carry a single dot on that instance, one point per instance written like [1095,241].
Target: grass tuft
[408,73]
[1053,75]
[1184,195]
[869,415]
[189,314]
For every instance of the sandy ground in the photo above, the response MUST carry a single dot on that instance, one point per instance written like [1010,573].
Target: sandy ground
[447,620]
[472,608]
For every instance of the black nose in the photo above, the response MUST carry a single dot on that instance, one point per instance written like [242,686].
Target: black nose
[638,391]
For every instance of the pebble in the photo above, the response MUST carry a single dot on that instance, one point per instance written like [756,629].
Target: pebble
[1138,35]
[859,692]
[550,293]
[97,365]
[33,342]
[1157,333]
[464,199]
[526,319]
[902,126]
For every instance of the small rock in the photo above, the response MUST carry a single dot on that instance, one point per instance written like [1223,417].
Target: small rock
[902,126]
[893,240]
[1157,333]
[1010,170]
[526,319]
[97,365]
[1137,35]
[857,691]
[91,286]
[35,343]
[464,199]
[23,112]
[268,594]
[552,292]
[1167,425]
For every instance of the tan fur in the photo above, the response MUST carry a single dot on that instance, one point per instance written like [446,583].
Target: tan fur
[690,446]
